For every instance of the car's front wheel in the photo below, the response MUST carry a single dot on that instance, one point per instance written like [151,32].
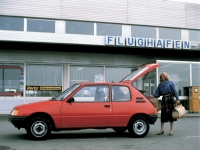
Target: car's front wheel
[38,128]
[138,127]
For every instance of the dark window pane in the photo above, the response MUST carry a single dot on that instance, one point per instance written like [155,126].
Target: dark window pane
[11,23]
[40,26]
[109,29]
[78,27]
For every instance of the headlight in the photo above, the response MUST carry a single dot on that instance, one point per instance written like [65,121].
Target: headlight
[14,112]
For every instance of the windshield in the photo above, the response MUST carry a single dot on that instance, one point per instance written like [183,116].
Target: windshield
[67,92]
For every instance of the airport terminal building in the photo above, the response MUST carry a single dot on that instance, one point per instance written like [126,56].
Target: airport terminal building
[47,46]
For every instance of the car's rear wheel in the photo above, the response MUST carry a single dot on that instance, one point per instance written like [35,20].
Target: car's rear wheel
[120,129]
[138,127]
[38,128]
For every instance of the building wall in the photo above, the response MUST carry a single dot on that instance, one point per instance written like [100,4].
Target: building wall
[159,13]
[142,12]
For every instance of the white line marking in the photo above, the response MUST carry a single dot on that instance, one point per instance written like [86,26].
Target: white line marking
[193,136]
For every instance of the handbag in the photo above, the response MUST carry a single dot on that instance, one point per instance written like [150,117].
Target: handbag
[155,103]
[178,112]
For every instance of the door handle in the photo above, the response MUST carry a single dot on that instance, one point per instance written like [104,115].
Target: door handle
[107,106]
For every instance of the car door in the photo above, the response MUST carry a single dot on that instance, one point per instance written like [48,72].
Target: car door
[91,108]
[121,105]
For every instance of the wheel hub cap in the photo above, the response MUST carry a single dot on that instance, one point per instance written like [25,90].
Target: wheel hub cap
[39,128]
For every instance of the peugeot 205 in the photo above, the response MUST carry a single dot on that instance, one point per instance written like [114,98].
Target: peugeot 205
[93,105]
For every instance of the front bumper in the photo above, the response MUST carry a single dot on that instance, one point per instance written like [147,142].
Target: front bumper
[18,122]
[152,118]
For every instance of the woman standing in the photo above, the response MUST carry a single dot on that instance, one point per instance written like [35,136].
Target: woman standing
[167,90]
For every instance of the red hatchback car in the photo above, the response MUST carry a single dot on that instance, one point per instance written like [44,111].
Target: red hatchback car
[119,106]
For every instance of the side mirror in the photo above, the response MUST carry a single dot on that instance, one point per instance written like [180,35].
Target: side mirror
[70,100]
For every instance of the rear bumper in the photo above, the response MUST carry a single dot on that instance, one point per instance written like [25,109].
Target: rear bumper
[152,118]
[18,122]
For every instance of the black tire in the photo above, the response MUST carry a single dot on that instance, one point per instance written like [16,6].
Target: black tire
[38,128]
[120,129]
[138,127]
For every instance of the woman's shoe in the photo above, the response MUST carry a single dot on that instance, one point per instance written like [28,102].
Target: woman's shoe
[171,133]
[160,133]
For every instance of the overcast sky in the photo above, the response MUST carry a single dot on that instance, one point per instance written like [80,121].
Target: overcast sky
[189,1]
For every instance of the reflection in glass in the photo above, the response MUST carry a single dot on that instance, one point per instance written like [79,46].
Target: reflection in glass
[166,33]
[109,29]
[40,25]
[143,31]
[78,27]
[11,23]
[179,74]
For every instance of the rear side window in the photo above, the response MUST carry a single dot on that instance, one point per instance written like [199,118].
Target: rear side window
[120,93]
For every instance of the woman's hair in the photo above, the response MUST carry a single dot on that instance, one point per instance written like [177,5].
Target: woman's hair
[166,76]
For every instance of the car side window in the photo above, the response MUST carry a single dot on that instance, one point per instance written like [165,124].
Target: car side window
[94,93]
[120,93]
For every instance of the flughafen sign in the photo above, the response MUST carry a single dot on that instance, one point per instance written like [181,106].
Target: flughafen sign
[147,42]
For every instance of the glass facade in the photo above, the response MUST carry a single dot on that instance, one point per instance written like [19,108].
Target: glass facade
[167,33]
[109,29]
[13,83]
[180,74]
[11,80]
[196,74]
[143,31]
[43,75]
[79,27]
[114,74]
[11,23]
[34,25]
[194,35]
[86,74]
